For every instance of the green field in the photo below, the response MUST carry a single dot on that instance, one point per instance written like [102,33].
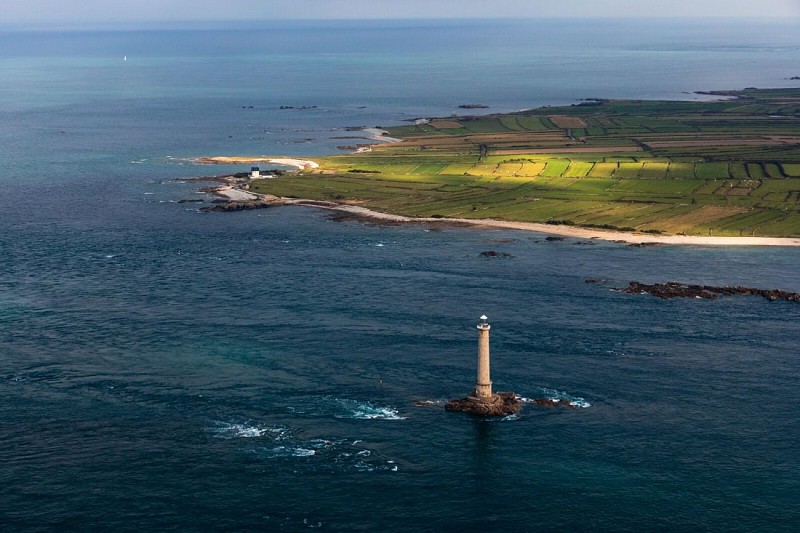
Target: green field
[728,167]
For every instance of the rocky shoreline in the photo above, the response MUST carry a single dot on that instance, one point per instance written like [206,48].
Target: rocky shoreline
[236,190]
[244,205]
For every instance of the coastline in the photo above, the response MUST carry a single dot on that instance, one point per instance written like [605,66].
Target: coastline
[381,136]
[300,164]
[561,230]
[249,200]
[236,195]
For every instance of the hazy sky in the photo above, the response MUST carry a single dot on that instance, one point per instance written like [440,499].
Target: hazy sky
[68,11]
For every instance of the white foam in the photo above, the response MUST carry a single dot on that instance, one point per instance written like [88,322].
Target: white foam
[303,452]
[560,396]
[247,431]
[363,466]
[367,411]
[291,451]
[421,403]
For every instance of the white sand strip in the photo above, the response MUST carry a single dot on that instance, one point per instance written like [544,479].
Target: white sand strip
[302,164]
[237,195]
[377,134]
[574,231]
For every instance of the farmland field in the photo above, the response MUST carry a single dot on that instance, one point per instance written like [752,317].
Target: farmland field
[578,169]
[728,167]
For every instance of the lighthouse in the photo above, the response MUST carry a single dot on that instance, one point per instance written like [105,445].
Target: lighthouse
[483,386]
[483,401]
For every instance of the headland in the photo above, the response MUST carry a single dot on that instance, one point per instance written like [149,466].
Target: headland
[723,172]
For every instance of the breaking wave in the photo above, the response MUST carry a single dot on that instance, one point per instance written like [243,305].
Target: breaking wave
[329,406]
[365,410]
[560,396]
[247,430]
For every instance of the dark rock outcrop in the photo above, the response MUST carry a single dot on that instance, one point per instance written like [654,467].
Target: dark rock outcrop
[645,244]
[553,402]
[500,404]
[553,239]
[680,290]
[238,206]
[493,253]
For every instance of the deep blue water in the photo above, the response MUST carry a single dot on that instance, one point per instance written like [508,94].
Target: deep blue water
[163,369]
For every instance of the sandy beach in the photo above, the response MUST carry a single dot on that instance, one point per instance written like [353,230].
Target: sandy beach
[234,194]
[238,195]
[377,134]
[567,231]
[301,164]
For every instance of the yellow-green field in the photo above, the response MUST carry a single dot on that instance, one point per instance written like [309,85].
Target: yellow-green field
[729,168]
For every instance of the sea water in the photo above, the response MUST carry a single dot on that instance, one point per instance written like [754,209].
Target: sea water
[165,369]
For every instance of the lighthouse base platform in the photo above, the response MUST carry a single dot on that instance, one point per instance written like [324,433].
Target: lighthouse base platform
[499,404]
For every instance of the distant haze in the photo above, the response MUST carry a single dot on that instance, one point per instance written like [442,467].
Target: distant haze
[93,11]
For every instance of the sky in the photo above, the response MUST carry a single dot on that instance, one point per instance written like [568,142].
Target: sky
[66,12]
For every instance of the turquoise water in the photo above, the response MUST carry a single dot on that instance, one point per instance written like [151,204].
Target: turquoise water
[163,369]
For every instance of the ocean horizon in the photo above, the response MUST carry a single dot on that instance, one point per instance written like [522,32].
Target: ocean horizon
[167,369]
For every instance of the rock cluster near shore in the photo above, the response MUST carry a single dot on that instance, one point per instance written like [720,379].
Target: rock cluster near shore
[494,253]
[239,206]
[680,290]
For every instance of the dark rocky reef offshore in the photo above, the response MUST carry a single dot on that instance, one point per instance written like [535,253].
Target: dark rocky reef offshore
[500,404]
[239,205]
[679,290]
[494,253]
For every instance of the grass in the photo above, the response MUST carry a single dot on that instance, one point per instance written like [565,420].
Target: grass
[578,169]
[711,171]
[603,170]
[791,169]
[555,168]
[688,167]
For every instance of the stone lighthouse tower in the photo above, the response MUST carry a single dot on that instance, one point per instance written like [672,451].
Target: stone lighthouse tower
[483,386]
[483,401]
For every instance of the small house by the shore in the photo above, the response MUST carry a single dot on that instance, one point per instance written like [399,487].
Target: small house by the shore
[255,172]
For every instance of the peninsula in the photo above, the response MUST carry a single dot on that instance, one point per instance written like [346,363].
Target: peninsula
[667,171]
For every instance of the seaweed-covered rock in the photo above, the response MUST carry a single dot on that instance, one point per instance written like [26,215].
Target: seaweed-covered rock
[500,404]
[553,402]
[238,206]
